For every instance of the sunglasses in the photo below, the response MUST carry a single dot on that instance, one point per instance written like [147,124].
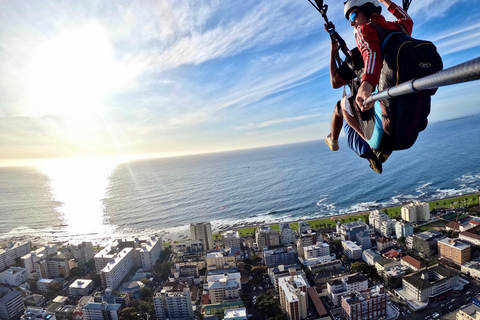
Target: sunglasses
[352,16]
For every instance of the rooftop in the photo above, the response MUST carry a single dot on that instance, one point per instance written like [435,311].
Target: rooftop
[412,261]
[429,235]
[429,277]
[454,243]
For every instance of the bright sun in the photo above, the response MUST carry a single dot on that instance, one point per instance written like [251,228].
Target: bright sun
[73,73]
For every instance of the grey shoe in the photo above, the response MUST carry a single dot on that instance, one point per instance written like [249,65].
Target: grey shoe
[332,144]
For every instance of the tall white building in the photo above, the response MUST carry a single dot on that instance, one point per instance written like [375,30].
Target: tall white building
[173,302]
[344,286]
[202,231]
[317,250]
[83,251]
[403,229]
[14,276]
[118,266]
[376,217]
[266,237]
[231,239]
[101,311]
[29,260]
[221,260]
[287,235]
[352,250]
[144,252]
[304,226]
[416,211]
[293,296]
[12,251]
[224,289]
[11,304]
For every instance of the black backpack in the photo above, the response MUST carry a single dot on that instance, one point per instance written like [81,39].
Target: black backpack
[405,58]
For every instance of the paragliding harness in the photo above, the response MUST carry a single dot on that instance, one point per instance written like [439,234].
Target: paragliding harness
[404,58]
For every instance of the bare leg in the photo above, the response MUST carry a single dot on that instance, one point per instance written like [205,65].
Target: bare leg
[336,123]
[351,120]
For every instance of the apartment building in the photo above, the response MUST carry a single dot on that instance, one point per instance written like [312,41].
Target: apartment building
[146,250]
[384,243]
[14,276]
[426,243]
[118,266]
[293,296]
[287,235]
[81,287]
[368,304]
[221,260]
[275,273]
[231,239]
[30,259]
[266,237]
[403,229]
[472,268]
[173,302]
[100,311]
[344,286]
[279,256]
[454,250]
[371,256]
[308,238]
[203,231]
[12,251]
[351,250]
[11,304]
[83,252]
[375,219]
[223,289]
[416,211]
[468,312]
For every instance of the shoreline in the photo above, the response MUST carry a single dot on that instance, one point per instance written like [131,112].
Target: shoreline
[178,235]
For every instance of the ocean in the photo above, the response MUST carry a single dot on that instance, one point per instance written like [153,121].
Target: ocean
[96,201]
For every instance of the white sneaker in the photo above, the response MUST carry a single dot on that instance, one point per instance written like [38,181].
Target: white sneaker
[332,144]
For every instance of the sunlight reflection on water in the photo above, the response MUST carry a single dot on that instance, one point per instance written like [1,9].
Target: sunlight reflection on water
[80,185]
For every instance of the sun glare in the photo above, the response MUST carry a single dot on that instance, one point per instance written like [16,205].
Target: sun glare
[80,185]
[72,73]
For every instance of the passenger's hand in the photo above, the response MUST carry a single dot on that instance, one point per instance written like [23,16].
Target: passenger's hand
[335,46]
[363,93]
[387,3]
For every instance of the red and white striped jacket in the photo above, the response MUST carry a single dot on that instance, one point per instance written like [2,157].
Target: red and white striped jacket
[369,44]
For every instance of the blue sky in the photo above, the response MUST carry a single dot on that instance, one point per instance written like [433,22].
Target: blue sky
[159,78]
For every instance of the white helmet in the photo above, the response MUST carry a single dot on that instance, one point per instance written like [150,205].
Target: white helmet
[350,4]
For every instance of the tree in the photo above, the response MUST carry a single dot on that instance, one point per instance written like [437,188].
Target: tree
[146,307]
[146,282]
[358,267]
[146,292]
[96,279]
[267,306]
[33,285]
[75,272]
[401,240]
[128,313]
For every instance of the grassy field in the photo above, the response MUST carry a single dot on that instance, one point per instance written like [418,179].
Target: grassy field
[449,203]
[393,212]
[430,226]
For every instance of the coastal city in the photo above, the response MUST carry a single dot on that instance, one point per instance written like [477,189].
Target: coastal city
[417,263]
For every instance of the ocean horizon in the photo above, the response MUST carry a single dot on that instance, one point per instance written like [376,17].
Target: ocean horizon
[74,202]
